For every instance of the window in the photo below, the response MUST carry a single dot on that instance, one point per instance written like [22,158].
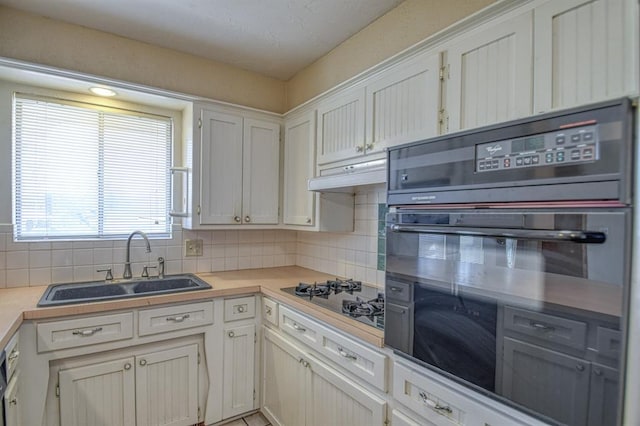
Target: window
[83,171]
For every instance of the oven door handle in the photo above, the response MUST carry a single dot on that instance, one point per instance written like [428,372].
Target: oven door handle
[582,237]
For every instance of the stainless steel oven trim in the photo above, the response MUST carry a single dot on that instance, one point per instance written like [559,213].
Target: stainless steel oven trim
[582,237]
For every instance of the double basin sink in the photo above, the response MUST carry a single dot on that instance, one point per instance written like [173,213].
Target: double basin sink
[99,291]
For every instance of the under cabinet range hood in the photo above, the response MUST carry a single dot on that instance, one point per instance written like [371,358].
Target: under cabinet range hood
[345,178]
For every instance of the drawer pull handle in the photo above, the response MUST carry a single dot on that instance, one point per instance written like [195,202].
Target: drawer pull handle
[297,327]
[13,356]
[178,318]
[597,372]
[89,332]
[431,403]
[13,401]
[304,363]
[542,327]
[127,366]
[268,310]
[396,289]
[579,367]
[347,355]
[240,309]
[143,362]
[231,334]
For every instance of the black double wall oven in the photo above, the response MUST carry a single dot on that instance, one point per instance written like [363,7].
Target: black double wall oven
[508,259]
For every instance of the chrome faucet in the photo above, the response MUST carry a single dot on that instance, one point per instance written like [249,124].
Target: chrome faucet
[127,264]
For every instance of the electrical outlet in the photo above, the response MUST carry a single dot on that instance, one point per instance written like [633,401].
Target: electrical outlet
[193,248]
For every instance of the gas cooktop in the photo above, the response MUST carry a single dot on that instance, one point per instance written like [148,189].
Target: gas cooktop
[351,298]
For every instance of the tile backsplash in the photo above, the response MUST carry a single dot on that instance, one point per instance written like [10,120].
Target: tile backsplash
[353,255]
[24,264]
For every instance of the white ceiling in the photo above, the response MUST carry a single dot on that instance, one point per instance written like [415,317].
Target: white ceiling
[276,38]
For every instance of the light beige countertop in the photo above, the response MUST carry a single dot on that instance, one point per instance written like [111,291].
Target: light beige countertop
[18,304]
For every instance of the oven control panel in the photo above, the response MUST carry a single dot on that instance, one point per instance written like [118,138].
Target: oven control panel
[566,146]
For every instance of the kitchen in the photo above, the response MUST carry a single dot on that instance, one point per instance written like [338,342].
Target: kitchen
[345,254]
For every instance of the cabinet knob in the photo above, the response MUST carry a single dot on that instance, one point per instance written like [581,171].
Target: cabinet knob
[308,220]
[13,401]
[143,362]
[580,367]
[13,356]
[268,310]
[127,366]
[240,309]
[237,219]
[231,334]
[359,148]
[597,372]
[247,219]
[370,146]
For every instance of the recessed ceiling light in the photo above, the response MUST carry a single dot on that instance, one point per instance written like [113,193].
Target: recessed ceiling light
[102,91]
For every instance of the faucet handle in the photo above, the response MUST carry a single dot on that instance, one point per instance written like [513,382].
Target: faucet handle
[109,276]
[145,270]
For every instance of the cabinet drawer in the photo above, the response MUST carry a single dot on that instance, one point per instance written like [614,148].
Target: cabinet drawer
[367,364]
[270,311]
[608,342]
[13,354]
[170,318]
[299,327]
[84,331]
[546,328]
[433,401]
[239,308]
[398,291]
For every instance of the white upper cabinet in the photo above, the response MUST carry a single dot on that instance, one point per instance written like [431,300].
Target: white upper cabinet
[489,77]
[239,163]
[585,51]
[261,172]
[341,126]
[402,103]
[221,165]
[299,164]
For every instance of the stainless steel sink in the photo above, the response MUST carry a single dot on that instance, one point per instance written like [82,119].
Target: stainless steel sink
[97,291]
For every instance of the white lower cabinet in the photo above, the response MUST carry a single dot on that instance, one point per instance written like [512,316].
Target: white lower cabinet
[299,389]
[238,375]
[158,388]
[12,403]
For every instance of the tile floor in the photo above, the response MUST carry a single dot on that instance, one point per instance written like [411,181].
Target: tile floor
[256,419]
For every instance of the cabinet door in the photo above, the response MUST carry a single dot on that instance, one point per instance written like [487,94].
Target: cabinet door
[489,74]
[221,169]
[238,376]
[283,381]
[98,394]
[344,402]
[167,387]
[12,404]
[400,419]
[549,382]
[261,172]
[402,104]
[603,395]
[585,51]
[341,126]
[299,164]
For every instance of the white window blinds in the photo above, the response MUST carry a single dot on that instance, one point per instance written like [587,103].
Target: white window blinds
[83,171]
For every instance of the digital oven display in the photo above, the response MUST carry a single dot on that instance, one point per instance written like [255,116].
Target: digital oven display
[527,144]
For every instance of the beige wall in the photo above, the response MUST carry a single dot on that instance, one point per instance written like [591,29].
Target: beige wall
[400,28]
[45,41]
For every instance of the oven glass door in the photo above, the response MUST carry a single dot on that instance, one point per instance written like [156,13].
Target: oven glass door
[526,307]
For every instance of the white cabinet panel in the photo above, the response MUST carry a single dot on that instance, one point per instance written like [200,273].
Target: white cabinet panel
[489,74]
[345,403]
[261,172]
[221,166]
[341,126]
[13,403]
[238,376]
[402,104]
[167,387]
[99,394]
[284,381]
[299,164]
[585,51]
